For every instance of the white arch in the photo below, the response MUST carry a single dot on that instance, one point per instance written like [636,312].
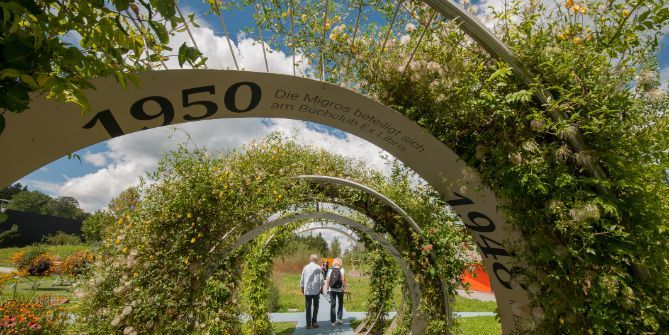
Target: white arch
[51,130]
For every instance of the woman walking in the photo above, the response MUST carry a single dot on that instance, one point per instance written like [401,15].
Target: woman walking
[335,283]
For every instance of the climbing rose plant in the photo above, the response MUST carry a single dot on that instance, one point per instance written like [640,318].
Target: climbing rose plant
[166,265]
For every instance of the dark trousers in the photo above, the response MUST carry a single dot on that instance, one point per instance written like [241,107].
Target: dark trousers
[308,299]
[340,307]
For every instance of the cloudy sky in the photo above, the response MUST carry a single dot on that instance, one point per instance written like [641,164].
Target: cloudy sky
[109,167]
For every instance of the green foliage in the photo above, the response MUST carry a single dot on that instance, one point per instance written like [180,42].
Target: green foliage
[303,246]
[30,201]
[65,207]
[335,248]
[40,203]
[93,227]
[9,192]
[585,262]
[163,257]
[101,40]
[61,238]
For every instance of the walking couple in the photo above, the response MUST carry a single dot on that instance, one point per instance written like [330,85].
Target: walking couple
[312,286]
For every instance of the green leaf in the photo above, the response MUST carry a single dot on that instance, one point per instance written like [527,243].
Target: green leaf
[161,32]
[188,54]
[182,54]
[30,81]
[520,96]
[166,8]
[10,73]
[121,4]
[16,99]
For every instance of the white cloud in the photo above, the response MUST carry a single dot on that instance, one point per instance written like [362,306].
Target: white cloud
[248,52]
[97,159]
[664,76]
[130,157]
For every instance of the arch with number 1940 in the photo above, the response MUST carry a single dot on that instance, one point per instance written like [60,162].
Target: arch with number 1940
[52,129]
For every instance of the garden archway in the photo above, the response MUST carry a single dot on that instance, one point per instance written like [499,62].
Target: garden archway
[409,277]
[52,130]
[419,323]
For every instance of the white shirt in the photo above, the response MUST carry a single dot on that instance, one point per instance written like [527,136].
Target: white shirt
[312,279]
[341,289]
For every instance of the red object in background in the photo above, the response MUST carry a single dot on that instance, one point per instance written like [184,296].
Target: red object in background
[478,279]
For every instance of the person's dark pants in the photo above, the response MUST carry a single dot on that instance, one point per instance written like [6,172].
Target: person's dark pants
[340,307]
[308,299]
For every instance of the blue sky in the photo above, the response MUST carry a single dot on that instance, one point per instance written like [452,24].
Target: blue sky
[107,168]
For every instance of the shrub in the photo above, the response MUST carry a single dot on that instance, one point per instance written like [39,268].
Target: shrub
[4,278]
[93,226]
[38,316]
[35,261]
[61,238]
[76,263]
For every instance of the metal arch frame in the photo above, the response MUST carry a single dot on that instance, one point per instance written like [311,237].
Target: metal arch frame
[418,320]
[496,47]
[368,190]
[389,202]
[341,231]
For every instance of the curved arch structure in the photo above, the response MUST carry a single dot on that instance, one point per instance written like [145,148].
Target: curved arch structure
[496,47]
[418,321]
[52,130]
[368,190]
[335,229]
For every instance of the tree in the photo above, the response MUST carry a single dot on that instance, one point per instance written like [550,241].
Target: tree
[30,201]
[12,190]
[117,38]
[126,201]
[65,207]
[335,248]
[94,226]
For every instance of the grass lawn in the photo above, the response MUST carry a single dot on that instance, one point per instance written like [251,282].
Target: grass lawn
[34,286]
[290,297]
[61,251]
[471,305]
[480,325]
[284,328]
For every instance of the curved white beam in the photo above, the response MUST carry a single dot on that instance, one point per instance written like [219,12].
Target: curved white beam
[368,190]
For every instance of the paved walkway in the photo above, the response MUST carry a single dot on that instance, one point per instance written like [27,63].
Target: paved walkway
[343,329]
[323,320]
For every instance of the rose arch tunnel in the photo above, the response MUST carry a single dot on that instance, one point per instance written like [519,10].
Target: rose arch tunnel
[50,130]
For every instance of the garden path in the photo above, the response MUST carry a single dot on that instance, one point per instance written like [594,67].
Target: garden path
[343,329]
[323,320]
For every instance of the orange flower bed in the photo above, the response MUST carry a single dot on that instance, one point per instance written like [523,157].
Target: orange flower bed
[34,317]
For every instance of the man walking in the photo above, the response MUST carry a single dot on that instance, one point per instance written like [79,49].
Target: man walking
[311,284]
